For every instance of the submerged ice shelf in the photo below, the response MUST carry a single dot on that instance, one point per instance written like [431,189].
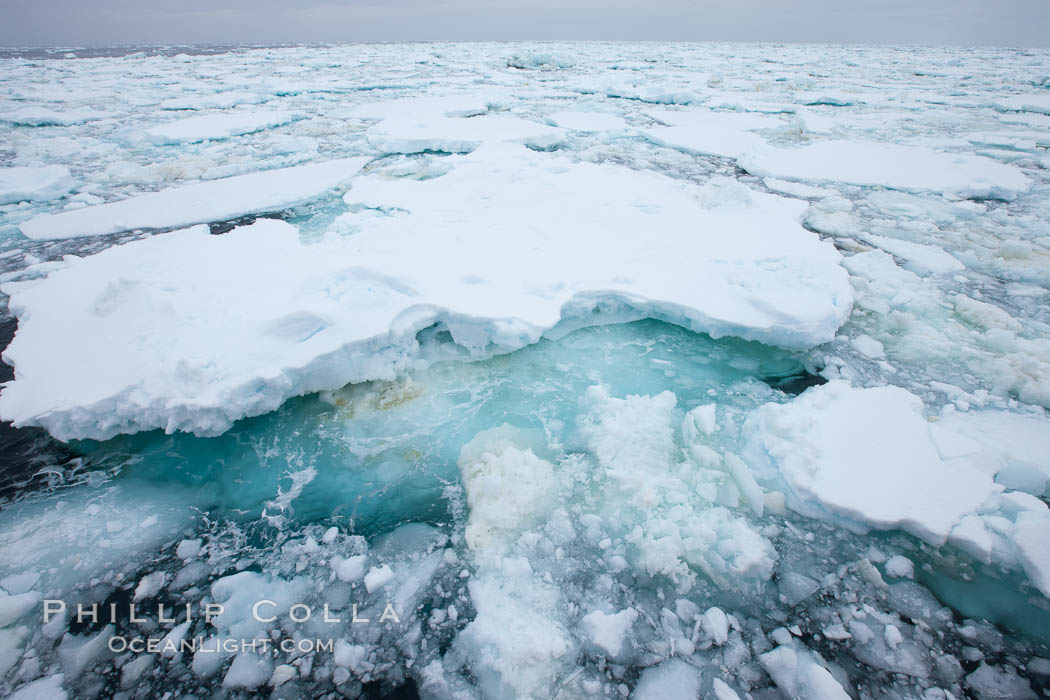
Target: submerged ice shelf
[707,370]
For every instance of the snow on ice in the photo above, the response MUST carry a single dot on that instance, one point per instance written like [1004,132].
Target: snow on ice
[616,370]
[347,308]
[215,200]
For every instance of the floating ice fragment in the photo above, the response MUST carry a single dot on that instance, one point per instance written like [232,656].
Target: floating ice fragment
[673,679]
[709,133]
[188,549]
[248,670]
[49,688]
[920,258]
[609,631]
[377,577]
[798,675]
[588,122]
[507,487]
[831,450]
[210,127]
[41,116]
[898,566]
[890,165]
[218,100]
[418,134]
[38,184]
[214,200]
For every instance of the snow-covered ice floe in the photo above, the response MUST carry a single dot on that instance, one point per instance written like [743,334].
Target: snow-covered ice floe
[891,165]
[507,246]
[458,134]
[216,126]
[34,184]
[870,458]
[42,116]
[214,200]
[609,370]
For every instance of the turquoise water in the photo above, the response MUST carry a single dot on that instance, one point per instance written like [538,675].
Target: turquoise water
[385,452]
[370,459]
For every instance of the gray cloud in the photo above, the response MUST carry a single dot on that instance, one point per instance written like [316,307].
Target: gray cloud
[107,22]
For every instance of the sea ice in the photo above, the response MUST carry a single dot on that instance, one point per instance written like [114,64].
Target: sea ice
[631,533]
[299,318]
[416,134]
[920,258]
[210,127]
[890,165]
[799,675]
[42,116]
[1037,102]
[218,100]
[471,105]
[214,200]
[506,486]
[37,184]
[588,122]
[830,449]
[609,630]
[710,133]
[672,680]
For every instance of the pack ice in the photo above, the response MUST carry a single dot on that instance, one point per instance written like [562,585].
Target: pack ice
[870,458]
[209,127]
[675,370]
[528,243]
[216,200]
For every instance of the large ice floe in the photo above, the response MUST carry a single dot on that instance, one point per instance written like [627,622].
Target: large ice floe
[893,166]
[505,247]
[469,371]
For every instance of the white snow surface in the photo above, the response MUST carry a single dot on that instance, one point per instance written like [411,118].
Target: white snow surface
[43,116]
[895,166]
[214,200]
[210,127]
[869,458]
[868,455]
[711,133]
[588,121]
[471,105]
[24,184]
[218,100]
[525,239]
[416,134]
[596,543]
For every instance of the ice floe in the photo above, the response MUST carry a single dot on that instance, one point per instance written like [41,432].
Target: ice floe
[218,100]
[710,133]
[42,116]
[830,448]
[209,127]
[890,165]
[609,516]
[870,458]
[530,242]
[34,184]
[588,122]
[459,134]
[214,200]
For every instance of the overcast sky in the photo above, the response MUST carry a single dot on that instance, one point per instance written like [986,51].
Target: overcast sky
[107,22]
